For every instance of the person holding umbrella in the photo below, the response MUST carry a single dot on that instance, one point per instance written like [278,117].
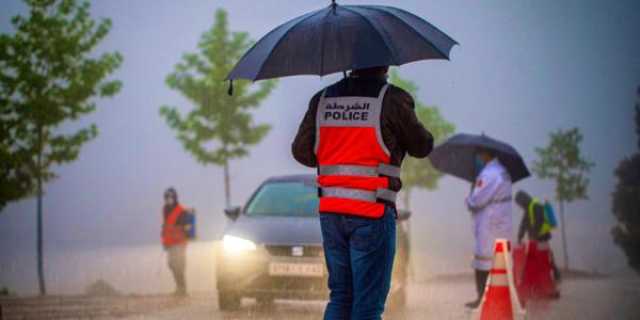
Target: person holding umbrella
[490,205]
[358,150]
[356,133]
[492,166]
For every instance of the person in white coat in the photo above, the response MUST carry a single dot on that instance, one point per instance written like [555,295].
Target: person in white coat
[490,206]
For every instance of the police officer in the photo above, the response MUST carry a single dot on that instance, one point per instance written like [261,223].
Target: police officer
[356,132]
[490,206]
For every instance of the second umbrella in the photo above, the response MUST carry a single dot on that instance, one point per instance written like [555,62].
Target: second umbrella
[455,156]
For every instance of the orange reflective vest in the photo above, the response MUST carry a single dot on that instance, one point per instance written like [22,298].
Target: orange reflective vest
[173,234]
[353,161]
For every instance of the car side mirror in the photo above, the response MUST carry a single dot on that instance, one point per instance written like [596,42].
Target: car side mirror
[232,213]
[403,214]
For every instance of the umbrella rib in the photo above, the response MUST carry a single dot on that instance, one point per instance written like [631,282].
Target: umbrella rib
[410,27]
[386,8]
[322,34]
[280,40]
[380,33]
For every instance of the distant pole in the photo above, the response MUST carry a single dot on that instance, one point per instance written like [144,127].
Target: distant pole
[564,236]
[41,283]
[43,289]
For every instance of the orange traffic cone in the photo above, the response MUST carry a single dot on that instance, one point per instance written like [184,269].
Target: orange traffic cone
[537,282]
[500,300]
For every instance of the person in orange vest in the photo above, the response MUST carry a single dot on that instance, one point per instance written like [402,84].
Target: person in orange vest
[175,229]
[356,132]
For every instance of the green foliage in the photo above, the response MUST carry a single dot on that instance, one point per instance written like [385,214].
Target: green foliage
[48,76]
[220,127]
[562,162]
[419,173]
[4,292]
[626,203]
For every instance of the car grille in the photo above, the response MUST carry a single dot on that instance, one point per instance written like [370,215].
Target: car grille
[286,251]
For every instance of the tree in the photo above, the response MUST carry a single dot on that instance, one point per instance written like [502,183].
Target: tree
[562,162]
[48,76]
[626,202]
[419,173]
[220,128]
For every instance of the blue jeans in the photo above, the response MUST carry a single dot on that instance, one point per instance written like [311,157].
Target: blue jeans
[359,253]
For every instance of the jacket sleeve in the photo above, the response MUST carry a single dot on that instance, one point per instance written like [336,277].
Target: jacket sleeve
[483,192]
[303,145]
[411,134]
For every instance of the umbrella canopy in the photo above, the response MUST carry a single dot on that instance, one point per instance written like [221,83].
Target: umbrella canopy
[455,156]
[339,38]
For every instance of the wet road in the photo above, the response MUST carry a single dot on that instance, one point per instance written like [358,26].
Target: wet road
[581,299]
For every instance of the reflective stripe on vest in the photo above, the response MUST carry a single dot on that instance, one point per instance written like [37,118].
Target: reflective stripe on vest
[357,194]
[545,228]
[173,234]
[363,171]
[353,161]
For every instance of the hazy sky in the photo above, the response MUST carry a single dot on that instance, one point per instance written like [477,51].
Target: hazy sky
[523,69]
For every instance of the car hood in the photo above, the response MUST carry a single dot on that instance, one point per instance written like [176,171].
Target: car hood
[277,230]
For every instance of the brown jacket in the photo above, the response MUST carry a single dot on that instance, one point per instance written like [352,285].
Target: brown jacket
[402,132]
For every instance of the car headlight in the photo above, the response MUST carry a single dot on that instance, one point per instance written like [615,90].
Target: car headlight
[236,245]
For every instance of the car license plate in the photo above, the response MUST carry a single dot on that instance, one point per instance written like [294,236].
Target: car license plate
[296,269]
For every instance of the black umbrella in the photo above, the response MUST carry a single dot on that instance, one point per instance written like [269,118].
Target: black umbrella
[455,156]
[339,38]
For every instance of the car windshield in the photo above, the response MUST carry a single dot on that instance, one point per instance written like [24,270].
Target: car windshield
[298,199]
